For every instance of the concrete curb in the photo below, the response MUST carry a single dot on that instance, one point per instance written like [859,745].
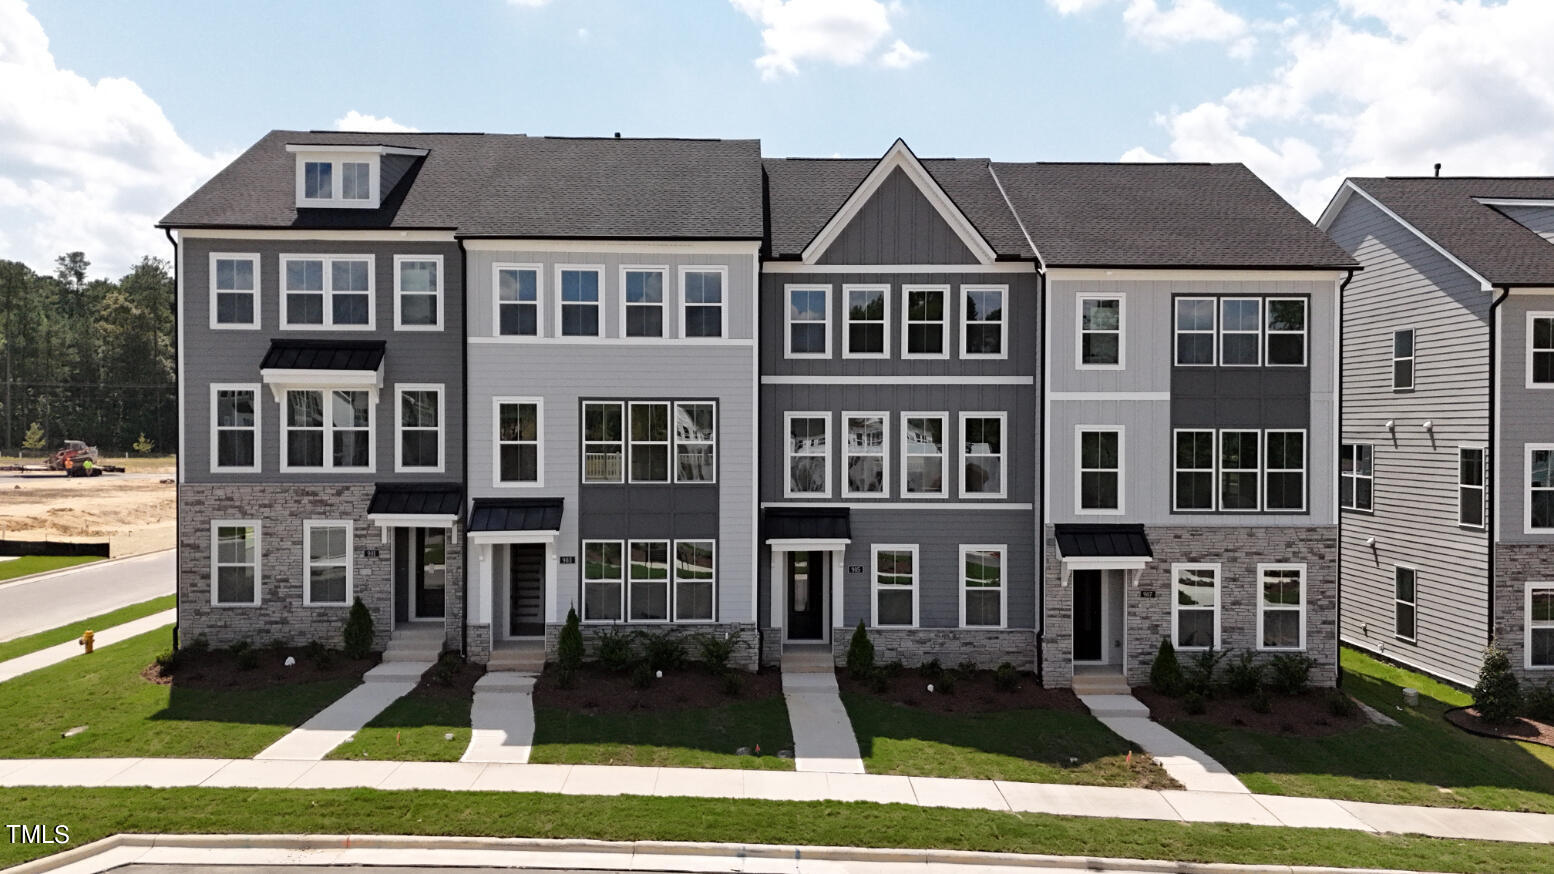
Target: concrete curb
[32,578]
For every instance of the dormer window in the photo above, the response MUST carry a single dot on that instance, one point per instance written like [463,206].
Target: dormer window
[348,176]
[317,180]
[355,180]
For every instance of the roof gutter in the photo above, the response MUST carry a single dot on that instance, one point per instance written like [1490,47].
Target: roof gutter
[177,477]
[1491,495]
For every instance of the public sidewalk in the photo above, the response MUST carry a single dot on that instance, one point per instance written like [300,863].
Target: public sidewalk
[997,795]
[60,652]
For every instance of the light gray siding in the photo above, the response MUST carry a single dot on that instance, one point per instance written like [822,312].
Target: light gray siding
[1406,284]
[897,226]
[1526,415]
[1538,219]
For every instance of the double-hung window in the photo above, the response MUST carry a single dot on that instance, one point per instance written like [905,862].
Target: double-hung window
[1240,331]
[604,447]
[1195,331]
[419,436]
[418,292]
[1540,626]
[649,442]
[1195,605]
[519,424]
[517,300]
[926,322]
[895,585]
[1402,360]
[331,291]
[702,301]
[234,291]
[234,557]
[1285,345]
[982,586]
[865,455]
[579,311]
[1281,607]
[922,454]
[1238,470]
[1100,332]
[808,455]
[1099,486]
[866,332]
[1405,602]
[643,300]
[1356,477]
[328,552]
[1540,350]
[1540,487]
[1284,470]
[984,322]
[695,575]
[1470,486]
[695,442]
[1194,486]
[809,321]
[328,430]
[982,454]
[603,580]
[647,580]
[234,444]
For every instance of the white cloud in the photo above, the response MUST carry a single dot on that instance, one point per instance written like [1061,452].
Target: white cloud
[84,165]
[360,121]
[1179,22]
[1382,87]
[583,34]
[841,32]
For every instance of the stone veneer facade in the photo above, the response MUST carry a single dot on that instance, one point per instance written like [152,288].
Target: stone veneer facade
[1516,565]
[280,614]
[989,648]
[1238,551]
[747,649]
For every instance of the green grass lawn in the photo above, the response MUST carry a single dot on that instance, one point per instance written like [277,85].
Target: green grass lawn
[1426,761]
[127,715]
[66,633]
[413,729]
[690,738]
[37,564]
[96,813]
[1033,746]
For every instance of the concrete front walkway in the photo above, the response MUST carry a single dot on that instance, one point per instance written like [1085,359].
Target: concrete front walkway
[313,740]
[997,795]
[1188,765]
[501,719]
[823,738]
[60,652]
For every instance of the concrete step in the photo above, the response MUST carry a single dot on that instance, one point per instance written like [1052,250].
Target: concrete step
[412,654]
[397,672]
[522,664]
[1100,684]
[505,681]
[1115,706]
[808,660]
[418,631]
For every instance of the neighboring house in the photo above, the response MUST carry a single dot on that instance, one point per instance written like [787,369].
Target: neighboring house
[1447,450]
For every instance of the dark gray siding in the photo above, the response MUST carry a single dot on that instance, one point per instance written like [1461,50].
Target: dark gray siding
[897,226]
[1526,416]
[393,168]
[1229,397]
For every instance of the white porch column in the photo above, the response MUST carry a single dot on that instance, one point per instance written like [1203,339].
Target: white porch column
[778,588]
[838,577]
[480,593]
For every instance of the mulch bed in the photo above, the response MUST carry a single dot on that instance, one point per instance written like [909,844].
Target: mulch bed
[1304,715]
[1521,728]
[602,691]
[972,694]
[462,684]
[218,669]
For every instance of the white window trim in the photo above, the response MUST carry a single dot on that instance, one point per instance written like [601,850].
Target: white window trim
[329,311]
[667,442]
[1532,316]
[874,583]
[1177,332]
[847,320]
[675,581]
[584,582]
[253,258]
[399,291]
[944,325]
[1212,470]
[329,429]
[1176,608]
[1357,477]
[1305,332]
[788,455]
[1003,323]
[663,305]
[1220,332]
[308,526]
[884,455]
[258,427]
[946,454]
[583,441]
[215,560]
[1483,486]
[788,323]
[496,443]
[1003,581]
[674,448]
[1121,332]
[723,305]
[399,426]
[1266,471]
[1263,609]
[1412,358]
[561,305]
[496,301]
[1256,469]
[1527,489]
[1414,638]
[1527,626]
[336,198]
[1003,454]
[668,581]
[1122,468]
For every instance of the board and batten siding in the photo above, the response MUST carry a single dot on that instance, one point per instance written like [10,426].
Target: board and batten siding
[897,226]
[1407,284]
[1526,415]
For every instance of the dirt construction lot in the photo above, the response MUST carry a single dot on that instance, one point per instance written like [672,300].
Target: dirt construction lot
[134,512]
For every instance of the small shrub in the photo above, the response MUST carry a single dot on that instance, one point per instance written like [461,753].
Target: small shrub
[717,649]
[732,683]
[893,669]
[1289,673]
[1195,703]
[569,649]
[1538,703]
[663,650]
[1199,673]
[1165,675]
[239,647]
[447,669]
[358,631]
[248,659]
[967,669]
[1340,705]
[200,643]
[167,661]
[566,678]
[325,661]
[1006,678]
[615,649]
[1243,675]
[313,651]
[641,675]
[276,644]
[879,681]
[945,684]
[1260,702]
[860,653]
[1497,696]
[930,670]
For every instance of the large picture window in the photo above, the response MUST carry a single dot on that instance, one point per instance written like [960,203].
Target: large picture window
[1281,611]
[649,442]
[1100,332]
[234,563]
[234,428]
[808,455]
[1195,606]
[419,434]
[517,300]
[809,322]
[982,455]
[603,576]
[922,454]
[695,442]
[982,586]
[328,430]
[579,313]
[1405,602]
[1099,485]
[328,551]
[895,586]
[1238,470]
[329,292]
[984,324]
[1470,486]
[927,321]
[518,429]
[1194,485]
[604,447]
[867,326]
[234,291]
[701,297]
[647,576]
[866,459]
[695,575]
[1356,477]
[418,292]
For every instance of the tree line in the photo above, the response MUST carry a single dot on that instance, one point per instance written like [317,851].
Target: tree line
[88,359]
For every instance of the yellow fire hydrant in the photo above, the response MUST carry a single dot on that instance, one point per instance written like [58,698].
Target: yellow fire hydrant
[86,640]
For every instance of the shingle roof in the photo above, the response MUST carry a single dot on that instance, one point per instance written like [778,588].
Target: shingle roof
[807,523]
[1103,541]
[804,193]
[323,355]
[416,499]
[508,185]
[1494,245]
[1162,215]
[515,514]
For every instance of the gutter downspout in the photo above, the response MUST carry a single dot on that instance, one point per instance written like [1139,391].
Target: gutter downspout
[1339,510]
[1492,462]
[1041,455]
[177,478]
[464,434]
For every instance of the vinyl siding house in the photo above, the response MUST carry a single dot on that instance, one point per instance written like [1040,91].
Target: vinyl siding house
[1448,525]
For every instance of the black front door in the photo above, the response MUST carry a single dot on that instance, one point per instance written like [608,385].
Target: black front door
[806,595]
[1087,616]
[429,565]
[526,590]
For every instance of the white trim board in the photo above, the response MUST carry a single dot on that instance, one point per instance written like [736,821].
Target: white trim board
[702,247]
[906,380]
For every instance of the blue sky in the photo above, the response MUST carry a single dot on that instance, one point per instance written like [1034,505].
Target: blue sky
[110,112]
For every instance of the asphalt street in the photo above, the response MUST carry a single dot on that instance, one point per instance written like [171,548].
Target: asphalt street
[52,600]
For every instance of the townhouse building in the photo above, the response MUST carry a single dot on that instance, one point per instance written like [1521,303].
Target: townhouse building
[1448,420]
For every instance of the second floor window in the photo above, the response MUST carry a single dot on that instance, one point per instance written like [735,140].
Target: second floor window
[922,454]
[1238,470]
[1100,332]
[644,302]
[604,449]
[809,455]
[1284,470]
[1402,360]
[1540,487]
[579,302]
[1356,477]
[1470,486]
[1540,350]
[234,289]
[650,442]
[984,327]
[331,292]
[518,429]
[1194,486]
[982,454]
[809,323]
[695,442]
[518,301]
[417,293]
[864,465]
[236,425]
[1100,471]
[926,321]
[701,301]
[328,430]
[868,315]
[420,428]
